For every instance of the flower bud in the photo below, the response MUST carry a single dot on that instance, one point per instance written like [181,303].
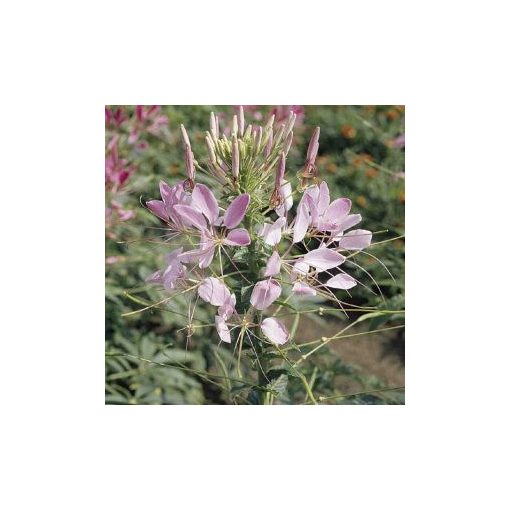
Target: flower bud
[288,143]
[240,117]
[190,165]
[280,171]
[278,136]
[213,126]
[313,146]
[235,158]
[257,138]
[210,149]
[290,124]
[269,144]
[234,126]
[185,138]
[269,124]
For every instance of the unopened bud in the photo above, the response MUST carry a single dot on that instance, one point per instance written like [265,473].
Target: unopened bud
[257,138]
[185,138]
[313,146]
[280,171]
[269,124]
[235,158]
[288,143]
[210,148]
[234,126]
[290,124]
[279,134]
[269,144]
[190,165]
[247,133]
[213,126]
[240,117]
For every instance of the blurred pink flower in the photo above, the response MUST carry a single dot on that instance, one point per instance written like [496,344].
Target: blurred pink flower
[117,170]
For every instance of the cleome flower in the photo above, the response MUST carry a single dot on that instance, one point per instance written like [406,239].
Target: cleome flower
[271,253]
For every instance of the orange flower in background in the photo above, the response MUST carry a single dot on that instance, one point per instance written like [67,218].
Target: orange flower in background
[331,168]
[361,201]
[371,173]
[402,197]
[348,131]
[361,159]
[393,114]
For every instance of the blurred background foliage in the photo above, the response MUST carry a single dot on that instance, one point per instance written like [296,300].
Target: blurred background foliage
[151,359]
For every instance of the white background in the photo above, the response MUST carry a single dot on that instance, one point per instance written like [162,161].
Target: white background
[62,448]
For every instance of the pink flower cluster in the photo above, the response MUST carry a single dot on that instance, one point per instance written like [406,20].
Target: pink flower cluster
[123,132]
[207,228]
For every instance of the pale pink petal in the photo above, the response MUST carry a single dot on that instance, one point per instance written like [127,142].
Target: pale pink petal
[206,257]
[238,237]
[265,293]
[302,222]
[323,258]
[272,232]
[204,200]
[236,211]
[302,289]
[275,331]
[157,207]
[286,193]
[300,268]
[222,329]
[356,240]
[154,277]
[337,210]
[213,291]
[311,199]
[323,202]
[273,265]
[172,273]
[166,192]
[341,281]
[349,221]
[173,255]
[227,308]
[191,215]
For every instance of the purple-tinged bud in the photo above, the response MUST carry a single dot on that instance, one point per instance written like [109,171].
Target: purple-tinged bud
[213,125]
[269,144]
[248,131]
[257,138]
[234,126]
[240,117]
[280,171]
[270,123]
[185,138]
[235,158]
[210,149]
[290,124]
[190,165]
[278,135]
[313,146]
[288,143]
[218,126]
